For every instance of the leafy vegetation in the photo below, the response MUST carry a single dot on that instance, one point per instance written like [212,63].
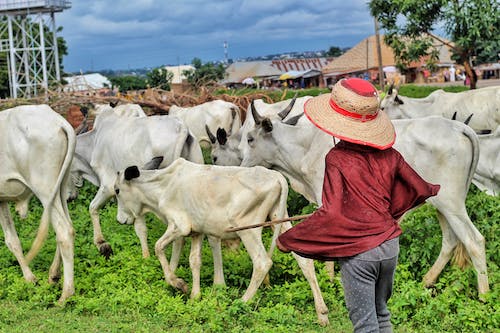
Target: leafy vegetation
[160,78]
[127,293]
[128,82]
[204,74]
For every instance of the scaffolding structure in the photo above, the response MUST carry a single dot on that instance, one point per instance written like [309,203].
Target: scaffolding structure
[28,44]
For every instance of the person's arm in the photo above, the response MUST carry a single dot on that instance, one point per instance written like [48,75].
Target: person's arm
[409,190]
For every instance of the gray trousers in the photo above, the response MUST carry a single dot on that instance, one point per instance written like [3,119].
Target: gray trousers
[367,279]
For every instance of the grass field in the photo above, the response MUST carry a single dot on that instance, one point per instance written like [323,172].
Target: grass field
[127,293]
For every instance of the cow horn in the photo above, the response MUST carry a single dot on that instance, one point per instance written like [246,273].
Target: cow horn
[285,112]
[256,117]
[466,122]
[210,135]
[389,92]
[454,117]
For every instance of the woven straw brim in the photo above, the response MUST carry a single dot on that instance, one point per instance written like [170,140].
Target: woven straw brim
[378,132]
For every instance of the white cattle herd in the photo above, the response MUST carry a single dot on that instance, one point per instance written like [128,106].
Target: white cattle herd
[156,165]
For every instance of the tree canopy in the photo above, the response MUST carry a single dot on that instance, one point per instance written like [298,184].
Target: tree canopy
[159,78]
[204,74]
[128,82]
[334,51]
[472,27]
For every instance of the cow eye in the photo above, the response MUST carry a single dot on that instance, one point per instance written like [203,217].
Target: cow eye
[117,191]
[250,139]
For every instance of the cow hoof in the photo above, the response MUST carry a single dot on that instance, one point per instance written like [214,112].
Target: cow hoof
[180,284]
[31,279]
[323,320]
[106,250]
[54,279]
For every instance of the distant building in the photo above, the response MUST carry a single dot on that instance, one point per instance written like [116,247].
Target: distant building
[303,72]
[87,82]
[179,81]
[177,71]
[362,61]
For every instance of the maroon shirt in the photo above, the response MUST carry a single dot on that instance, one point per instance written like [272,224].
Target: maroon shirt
[365,192]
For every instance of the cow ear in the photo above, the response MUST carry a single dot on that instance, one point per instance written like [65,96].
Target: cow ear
[267,125]
[293,121]
[398,100]
[132,172]
[221,136]
[154,163]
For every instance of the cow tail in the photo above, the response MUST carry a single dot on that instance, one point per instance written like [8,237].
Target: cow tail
[58,195]
[472,136]
[460,255]
[280,211]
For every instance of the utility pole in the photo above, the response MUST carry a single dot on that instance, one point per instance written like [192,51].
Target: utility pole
[225,52]
[379,54]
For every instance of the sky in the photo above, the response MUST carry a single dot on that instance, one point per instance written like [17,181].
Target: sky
[131,34]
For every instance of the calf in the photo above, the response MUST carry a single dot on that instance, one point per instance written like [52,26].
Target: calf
[199,200]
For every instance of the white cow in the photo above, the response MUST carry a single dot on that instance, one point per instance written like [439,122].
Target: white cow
[226,147]
[214,114]
[128,109]
[483,103]
[118,141]
[199,200]
[487,175]
[36,149]
[442,151]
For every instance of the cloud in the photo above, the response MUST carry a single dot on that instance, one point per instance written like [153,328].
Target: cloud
[114,33]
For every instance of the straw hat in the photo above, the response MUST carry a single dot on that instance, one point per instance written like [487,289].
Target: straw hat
[351,113]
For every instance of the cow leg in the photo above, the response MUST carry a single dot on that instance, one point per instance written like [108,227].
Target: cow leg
[12,241]
[100,198]
[195,263]
[260,260]
[55,271]
[65,236]
[463,229]
[170,235]
[141,231]
[448,243]
[330,269]
[176,253]
[307,267]
[215,245]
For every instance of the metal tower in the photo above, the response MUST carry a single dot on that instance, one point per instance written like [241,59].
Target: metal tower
[28,44]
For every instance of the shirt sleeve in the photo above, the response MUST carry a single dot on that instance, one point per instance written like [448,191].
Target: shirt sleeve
[409,190]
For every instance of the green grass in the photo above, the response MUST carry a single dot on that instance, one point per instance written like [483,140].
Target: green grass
[128,293]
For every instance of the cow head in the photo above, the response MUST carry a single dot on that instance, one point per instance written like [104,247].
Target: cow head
[224,147]
[392,104]
[129,196]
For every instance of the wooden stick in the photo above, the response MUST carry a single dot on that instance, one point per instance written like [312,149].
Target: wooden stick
[268,223]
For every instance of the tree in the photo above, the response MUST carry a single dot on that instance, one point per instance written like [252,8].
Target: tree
[159,78]
[473,27]
[334,51]
[204,74]
[128,82]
